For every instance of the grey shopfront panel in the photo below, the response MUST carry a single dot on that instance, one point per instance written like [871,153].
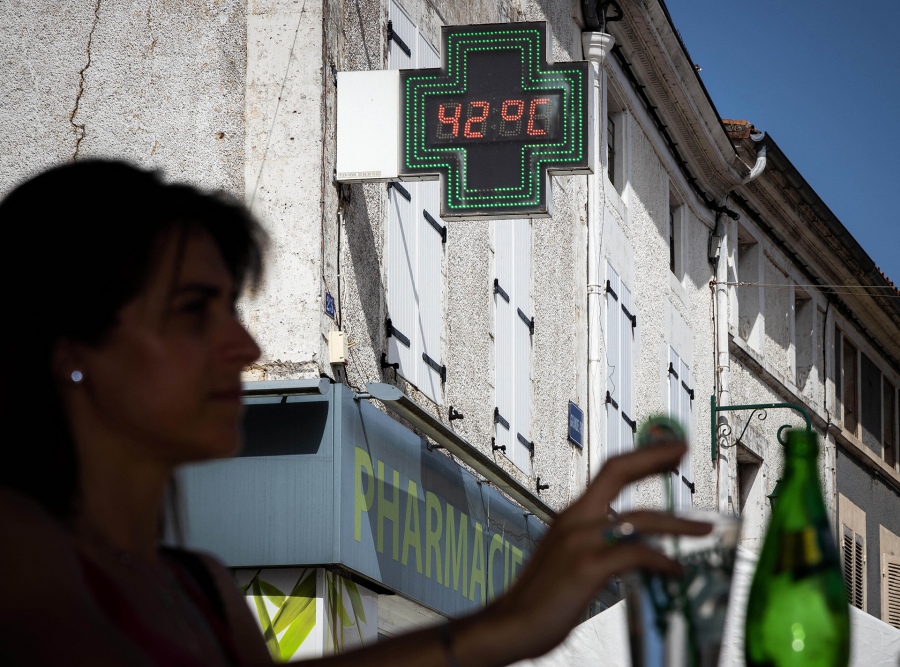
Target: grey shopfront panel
[329,480]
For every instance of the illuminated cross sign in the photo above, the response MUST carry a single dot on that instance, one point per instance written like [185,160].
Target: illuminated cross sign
[494,120]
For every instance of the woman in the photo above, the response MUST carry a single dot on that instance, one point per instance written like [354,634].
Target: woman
[128,348]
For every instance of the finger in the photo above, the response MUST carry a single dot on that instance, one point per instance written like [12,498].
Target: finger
[626,468]
[624,558]
[646,522]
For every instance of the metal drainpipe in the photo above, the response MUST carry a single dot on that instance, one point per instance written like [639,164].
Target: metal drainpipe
[723,357]
[596,47]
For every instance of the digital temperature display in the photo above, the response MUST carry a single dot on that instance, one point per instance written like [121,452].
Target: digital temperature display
[494,120]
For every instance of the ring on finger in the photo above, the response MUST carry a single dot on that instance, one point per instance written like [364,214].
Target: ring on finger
[620,532]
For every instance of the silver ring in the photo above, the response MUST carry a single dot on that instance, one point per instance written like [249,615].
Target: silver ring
[620,532]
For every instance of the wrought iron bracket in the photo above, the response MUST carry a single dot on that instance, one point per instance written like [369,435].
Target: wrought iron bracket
[717,430]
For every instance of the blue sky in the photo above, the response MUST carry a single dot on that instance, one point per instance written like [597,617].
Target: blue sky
[823,79]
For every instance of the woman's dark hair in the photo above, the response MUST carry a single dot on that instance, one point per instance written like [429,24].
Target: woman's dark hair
[81,241]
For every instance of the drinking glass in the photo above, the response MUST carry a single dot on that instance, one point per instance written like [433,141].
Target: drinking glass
[679,622]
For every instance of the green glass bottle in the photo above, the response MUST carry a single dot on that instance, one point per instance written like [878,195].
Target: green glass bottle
[797,613]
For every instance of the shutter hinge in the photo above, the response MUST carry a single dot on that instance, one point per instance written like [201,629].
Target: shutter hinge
[631,317]
[631,423]
[609,290]
[528,444]
[435,366]
[688,484]
[393,331]
[610,399]
[529,321]
[499,290]
[399,188]
[438,227]
[672,371]
[498,419]
[391,35]
[687,389]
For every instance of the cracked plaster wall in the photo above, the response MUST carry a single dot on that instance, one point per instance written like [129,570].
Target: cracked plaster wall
[158,83]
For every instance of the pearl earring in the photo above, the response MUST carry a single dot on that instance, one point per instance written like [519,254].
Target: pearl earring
[77,376]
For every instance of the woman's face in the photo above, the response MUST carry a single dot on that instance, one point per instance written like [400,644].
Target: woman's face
[166,380]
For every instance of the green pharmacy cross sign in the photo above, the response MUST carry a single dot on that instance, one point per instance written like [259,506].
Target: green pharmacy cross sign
[494,120]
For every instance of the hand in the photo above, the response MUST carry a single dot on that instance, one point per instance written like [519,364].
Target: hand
[575,558]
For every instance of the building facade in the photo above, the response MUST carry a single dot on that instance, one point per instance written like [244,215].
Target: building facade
[693,270]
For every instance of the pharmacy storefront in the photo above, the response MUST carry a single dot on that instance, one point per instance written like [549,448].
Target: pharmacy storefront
[341,524]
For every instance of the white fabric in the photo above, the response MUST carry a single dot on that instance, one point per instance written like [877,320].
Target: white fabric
[603,639]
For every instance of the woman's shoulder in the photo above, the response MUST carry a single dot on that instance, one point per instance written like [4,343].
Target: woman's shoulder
[33,539]
[44,592]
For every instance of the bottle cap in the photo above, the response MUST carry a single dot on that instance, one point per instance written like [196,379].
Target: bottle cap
[659,429]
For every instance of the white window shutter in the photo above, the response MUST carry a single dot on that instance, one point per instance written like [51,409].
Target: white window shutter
[614,434]
[406,30]
[512,339]
[613,326]
[626,378]
[521,301]
[429,278]
[430,283]
[427,55]
[504,336]
[402,300]
[415,247]
[674,383]
[687,469]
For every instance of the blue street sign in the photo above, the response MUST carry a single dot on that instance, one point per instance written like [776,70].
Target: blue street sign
[576,424]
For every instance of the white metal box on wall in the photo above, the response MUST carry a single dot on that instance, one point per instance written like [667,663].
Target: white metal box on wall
[368,126]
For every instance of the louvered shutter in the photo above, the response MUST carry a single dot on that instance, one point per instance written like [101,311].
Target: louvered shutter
[890,592]
[415,239]
[853,547]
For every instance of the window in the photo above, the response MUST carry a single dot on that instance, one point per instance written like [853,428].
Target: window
[415,247]
[676,238]
[611,148]
[749,255]
[853,550]
[847,382]
[804,339]
[866,400]
[621,324]
[513,328]
[615,144]
[889,401]
[681,396]
[890,576]
[890,593]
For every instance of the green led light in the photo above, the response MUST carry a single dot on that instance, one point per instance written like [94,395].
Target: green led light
[461,196]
